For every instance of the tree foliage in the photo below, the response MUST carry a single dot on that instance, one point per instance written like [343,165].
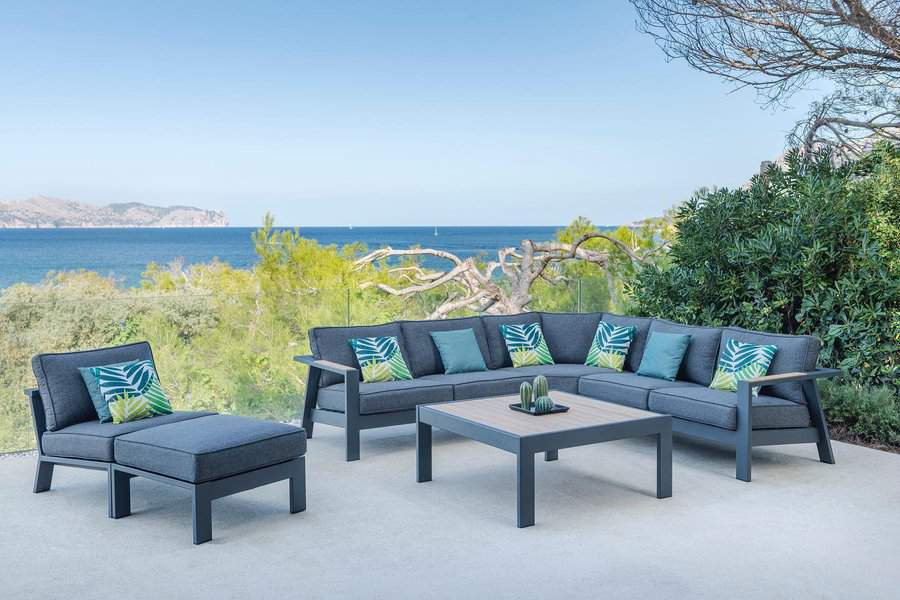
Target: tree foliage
[806,250]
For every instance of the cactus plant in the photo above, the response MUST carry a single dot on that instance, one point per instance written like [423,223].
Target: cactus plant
[525,395]
[543,404]
[541,386]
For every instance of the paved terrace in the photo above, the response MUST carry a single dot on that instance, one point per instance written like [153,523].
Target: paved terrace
[801,530]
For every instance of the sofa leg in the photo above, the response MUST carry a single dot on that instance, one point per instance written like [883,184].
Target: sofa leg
[351,436]
[119,494]
[826,454]
[202,515]
[298,487]
[43,476]
[744,461]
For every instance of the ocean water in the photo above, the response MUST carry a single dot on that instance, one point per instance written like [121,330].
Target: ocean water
[28,255]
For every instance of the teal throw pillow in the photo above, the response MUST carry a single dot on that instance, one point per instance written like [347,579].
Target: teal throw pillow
[459,351]
[131,391]
[380,359]
[663,355]
[610,346]
[93,388]
[740,361]
[526,344]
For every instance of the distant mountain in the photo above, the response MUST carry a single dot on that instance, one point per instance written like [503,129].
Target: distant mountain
[47,213]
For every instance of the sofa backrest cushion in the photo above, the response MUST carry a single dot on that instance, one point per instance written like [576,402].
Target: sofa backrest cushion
[641,328]
[333,343]
[63,392]
[796,353]
[699,363]
[569,335]
[423,356]
[496,344]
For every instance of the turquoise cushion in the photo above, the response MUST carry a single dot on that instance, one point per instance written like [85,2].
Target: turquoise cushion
[459,351]
[93,387]
[663,355]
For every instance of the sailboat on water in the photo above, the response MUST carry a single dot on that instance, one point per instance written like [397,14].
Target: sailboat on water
[435,231]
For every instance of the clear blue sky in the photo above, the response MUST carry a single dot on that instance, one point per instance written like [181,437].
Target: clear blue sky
[371,113]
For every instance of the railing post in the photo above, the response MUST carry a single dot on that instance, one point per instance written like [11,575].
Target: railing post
[579,295]
[348,307]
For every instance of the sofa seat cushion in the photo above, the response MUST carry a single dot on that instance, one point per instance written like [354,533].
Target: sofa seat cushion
[718,408]
[93,440]
[389,396]
[506,381]
[210,447]
[625,388]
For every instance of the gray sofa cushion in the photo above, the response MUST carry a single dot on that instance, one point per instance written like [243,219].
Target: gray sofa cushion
[333,343]
[718,408]
[796,353]
[636,349]
[625,388]
[569,335]
[422,354]
[481,384]
[699,362]
[389,396]
[63,392]
[496,344]
[211,447]
[93,440]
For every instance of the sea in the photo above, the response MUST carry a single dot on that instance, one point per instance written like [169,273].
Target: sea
[29,255]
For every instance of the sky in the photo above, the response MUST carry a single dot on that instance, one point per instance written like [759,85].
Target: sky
[370,113]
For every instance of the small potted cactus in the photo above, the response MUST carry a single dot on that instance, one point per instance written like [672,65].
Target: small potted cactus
[525,395]
[534,398]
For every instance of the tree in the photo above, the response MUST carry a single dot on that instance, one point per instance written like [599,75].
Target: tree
[502,286]
[781,46]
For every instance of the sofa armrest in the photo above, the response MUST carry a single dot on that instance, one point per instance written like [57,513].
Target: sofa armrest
[324,365]
[38,416]
[789,377]
[351,382]
[745,393]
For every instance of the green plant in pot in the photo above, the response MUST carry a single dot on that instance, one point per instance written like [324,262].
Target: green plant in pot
[526,396]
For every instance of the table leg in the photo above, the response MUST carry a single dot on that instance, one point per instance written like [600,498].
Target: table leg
[551,455]
[423,452]
[664,464]
[525,488]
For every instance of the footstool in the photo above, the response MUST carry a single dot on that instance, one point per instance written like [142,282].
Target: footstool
[213,457]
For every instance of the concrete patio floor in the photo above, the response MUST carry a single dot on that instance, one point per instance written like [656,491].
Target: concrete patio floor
[802,529]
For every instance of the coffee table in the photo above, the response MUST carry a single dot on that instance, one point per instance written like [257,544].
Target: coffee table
[588,421]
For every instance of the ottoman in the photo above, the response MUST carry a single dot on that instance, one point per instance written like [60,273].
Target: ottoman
[213,457]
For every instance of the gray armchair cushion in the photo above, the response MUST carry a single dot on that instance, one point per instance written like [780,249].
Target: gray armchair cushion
[569,335]
[636,349]
[211,447]
[718,408]
[496,344]
[700,360]
[796,353]
[93,440]
[423,356]
[333,343]
[63,392]
[389,396]
[625,388]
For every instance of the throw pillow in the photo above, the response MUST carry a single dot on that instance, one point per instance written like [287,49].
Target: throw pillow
[663,355]
[740,361]
[380,359]
[526,344]
[93,388]
[459,351]
[131,391]
[610,346]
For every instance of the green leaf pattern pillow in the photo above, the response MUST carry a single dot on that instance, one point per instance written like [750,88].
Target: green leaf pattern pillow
[380,359]
[610,346]
[741,361]
[526,344]
[131,391]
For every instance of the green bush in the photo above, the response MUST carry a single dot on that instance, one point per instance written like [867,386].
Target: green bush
[803,250]
[869,413]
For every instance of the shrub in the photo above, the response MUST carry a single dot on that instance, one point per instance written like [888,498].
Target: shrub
[869,413]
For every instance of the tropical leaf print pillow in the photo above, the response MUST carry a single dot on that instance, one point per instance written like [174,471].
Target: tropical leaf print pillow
[610,346]
[380,359]
[131,391]
[740,361]
[526,344]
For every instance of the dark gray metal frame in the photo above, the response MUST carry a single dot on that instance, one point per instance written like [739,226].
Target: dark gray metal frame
[525,447]
[745,437]
[350,420]
[119,479]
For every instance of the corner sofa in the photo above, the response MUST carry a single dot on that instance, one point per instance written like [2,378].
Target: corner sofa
[209,455]
[786,410]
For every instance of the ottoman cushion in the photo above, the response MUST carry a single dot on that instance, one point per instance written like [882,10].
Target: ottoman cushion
[209,448]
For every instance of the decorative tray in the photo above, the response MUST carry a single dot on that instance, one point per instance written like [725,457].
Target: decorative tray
[557,408]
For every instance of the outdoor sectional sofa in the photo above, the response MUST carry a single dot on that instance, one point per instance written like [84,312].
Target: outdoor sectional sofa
[209,455]
[786,411]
